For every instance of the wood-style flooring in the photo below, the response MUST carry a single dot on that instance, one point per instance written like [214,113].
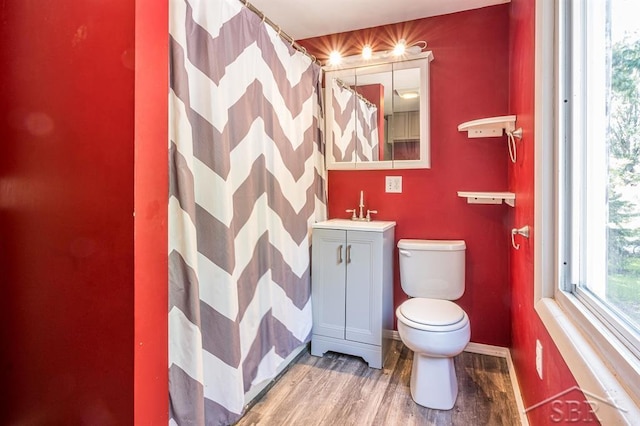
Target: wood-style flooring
[342,390]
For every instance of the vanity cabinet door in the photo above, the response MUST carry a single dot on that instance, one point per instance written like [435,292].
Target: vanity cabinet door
[328,282]
[362,322]
[346,304]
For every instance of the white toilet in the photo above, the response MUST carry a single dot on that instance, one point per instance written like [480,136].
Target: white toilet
[433,327]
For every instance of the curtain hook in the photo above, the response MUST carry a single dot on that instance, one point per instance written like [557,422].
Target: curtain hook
[278,29]
[263,17]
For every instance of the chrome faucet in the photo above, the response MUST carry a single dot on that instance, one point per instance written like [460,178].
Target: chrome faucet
[361,216]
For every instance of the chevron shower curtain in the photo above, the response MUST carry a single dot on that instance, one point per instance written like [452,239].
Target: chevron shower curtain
[367,131]
[344,124]
[355,125]
[247,181]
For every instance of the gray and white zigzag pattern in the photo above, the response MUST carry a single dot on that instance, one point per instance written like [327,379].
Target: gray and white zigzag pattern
[355,126]
[246,182]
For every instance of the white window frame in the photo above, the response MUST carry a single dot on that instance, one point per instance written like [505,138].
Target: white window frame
[600,363]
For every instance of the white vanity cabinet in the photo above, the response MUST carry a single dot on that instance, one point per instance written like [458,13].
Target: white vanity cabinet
[352,288]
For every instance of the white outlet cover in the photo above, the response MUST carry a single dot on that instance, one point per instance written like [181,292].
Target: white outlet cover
[539,358]
[393,184]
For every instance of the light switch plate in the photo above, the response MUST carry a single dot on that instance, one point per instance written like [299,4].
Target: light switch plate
[393,184]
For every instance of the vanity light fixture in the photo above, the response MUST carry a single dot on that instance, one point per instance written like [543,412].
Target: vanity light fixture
[401,49]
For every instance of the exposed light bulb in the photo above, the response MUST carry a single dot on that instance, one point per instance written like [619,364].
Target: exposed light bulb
[367,52]
[398,50]
[335,57]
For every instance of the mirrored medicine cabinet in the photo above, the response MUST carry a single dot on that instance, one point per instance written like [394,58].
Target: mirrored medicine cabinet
[377,115]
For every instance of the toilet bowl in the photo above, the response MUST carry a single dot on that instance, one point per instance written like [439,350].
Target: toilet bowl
[429,323]
[436,331]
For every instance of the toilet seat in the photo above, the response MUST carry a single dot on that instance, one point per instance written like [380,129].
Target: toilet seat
[432,314]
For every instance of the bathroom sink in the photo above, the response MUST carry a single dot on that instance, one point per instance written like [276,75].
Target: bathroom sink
[355,225]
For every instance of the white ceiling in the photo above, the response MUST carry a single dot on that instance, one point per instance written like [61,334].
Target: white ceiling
[311,18]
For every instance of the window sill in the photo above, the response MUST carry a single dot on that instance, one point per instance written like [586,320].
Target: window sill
[584,347]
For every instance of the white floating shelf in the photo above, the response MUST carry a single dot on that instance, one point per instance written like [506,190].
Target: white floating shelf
[476,197]
[488,127]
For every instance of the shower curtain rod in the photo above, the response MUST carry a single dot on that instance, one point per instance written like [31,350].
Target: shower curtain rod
[281,33]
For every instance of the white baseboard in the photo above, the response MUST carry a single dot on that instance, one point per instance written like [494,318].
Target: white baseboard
[482,349]
[516,389]
[499,351]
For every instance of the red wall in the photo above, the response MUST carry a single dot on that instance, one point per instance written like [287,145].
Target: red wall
[151,380]
[469,80]
[66,213]
[84,313]
[526,325]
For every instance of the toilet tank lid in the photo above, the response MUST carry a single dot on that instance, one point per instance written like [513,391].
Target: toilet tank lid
[437,245]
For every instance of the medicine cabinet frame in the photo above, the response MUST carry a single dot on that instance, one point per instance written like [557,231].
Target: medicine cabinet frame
[392,64]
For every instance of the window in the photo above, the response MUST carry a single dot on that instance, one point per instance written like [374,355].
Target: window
[587,112]
[579,109]
[600,163]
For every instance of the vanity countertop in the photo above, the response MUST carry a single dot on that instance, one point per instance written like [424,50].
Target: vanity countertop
[355,225]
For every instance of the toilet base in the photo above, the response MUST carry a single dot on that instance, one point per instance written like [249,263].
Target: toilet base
[433,382]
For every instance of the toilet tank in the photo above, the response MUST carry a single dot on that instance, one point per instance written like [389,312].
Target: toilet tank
[432,268]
